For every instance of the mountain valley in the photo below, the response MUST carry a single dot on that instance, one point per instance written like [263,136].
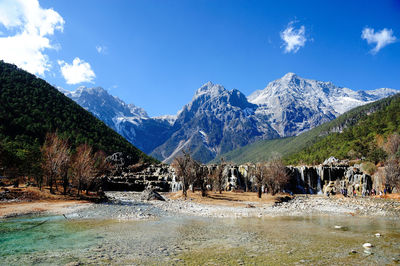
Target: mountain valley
[218,120]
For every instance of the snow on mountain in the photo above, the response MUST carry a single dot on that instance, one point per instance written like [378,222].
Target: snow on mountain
[131,121]
[294,104]
[169,118]
[382,92]
[219,120]
[214,122]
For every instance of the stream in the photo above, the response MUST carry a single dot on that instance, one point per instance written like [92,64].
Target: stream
[92,237]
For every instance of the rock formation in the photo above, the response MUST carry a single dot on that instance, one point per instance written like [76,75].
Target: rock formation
[333,177]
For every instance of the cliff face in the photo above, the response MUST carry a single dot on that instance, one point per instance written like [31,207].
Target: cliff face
[323,179]
[320,179]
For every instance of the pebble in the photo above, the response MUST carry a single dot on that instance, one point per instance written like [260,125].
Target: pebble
[367,245]
[298,206]
[367,252]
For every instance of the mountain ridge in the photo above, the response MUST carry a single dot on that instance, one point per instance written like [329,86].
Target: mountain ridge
[288,147]
[217,120]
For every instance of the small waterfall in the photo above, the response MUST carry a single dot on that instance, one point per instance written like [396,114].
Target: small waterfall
[298,173]
[320,176]
[175,186]
[310,189]
[319,190]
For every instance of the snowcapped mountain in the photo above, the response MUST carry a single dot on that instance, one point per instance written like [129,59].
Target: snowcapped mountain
[109,108]
[293,104]
[130,121]
[214,122]
[219,120]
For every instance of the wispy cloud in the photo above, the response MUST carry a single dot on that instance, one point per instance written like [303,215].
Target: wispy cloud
[293,38]
[29,28]
[77,72]
[379,38]
[101,49]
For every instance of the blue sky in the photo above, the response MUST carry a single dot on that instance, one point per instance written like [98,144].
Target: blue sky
[155,54]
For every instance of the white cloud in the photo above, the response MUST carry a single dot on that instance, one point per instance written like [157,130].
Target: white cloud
[293,38]
[380,38]
[29,27]
[101,49]
[77,72]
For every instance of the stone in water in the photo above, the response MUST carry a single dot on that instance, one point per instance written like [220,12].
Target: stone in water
[367,245]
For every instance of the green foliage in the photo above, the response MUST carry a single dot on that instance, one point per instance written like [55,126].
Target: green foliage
[369,168]
[359,127]
[30,108]
[358,141]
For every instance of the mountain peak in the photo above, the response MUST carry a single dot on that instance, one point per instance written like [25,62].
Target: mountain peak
[92,91]
[289,76]
[209,88]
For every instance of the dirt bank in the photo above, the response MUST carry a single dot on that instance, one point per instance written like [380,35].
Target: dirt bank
[31,200]
[12,209]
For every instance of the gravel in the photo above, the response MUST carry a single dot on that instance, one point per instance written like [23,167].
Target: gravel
[129,205]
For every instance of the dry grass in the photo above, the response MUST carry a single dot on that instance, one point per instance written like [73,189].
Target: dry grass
[11,209]
[229,198]
[32,200]
[30,194]
[24,193]
[394,196]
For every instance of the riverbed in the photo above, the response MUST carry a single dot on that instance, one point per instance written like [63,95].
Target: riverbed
[137,233]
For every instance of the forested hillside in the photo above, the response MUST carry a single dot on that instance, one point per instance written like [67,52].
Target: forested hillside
[363,140]
[317,144]
[30,108]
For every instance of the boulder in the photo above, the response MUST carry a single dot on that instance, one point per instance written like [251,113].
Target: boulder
[151,194]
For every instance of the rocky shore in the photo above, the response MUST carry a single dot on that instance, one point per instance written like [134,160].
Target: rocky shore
[129,205]
[133,206]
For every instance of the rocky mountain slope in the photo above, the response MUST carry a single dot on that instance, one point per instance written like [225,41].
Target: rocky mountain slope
[130,121]
[218,120]
[294,104]
[214,122]
[334,138]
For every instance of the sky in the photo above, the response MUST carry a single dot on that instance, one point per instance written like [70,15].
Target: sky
[155,54]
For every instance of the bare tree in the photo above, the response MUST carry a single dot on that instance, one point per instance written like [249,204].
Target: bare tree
[392,144]
[56,156]
[83,167]
[200,176]
[218,176]
[392,172]
[182,167]
[101,167]
[276,177]
[259,173]
[65,158]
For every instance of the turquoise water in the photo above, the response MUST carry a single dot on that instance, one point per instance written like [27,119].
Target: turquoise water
[23,238]
[196,240]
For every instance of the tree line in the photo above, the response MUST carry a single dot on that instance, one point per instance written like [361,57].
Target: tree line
[30,108]
[392,164]
[58,165]
[270,176]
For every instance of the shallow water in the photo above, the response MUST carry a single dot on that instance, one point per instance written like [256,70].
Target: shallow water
[198,240]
